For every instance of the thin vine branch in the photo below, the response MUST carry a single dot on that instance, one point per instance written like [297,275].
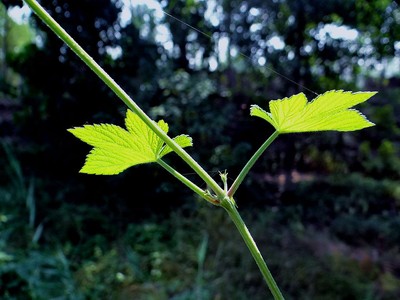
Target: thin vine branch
[235,185]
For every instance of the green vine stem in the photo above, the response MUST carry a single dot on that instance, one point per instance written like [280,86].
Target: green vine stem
[230,207]
[222,197]
[235,185]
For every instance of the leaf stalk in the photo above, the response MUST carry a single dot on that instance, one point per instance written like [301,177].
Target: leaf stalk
[199,191]
[243,173]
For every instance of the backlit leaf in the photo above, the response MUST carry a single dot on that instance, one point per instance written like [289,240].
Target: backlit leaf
[116,149]
[182,140]
[329,111]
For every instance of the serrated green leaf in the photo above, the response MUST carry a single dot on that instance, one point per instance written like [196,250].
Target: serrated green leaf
[182,140]
[329,111]
[99,135]
[101,161]
[116,149]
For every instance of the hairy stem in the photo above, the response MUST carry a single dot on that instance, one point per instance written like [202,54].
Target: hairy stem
[235,185]
[91,63]
[251,245]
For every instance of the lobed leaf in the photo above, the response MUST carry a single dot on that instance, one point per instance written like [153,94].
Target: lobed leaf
[182,140]
[116,149]
[329,111]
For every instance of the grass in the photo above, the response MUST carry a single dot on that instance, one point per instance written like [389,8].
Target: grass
[309,239]
[179,258]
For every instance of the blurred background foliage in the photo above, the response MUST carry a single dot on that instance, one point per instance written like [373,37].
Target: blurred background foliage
[324,208]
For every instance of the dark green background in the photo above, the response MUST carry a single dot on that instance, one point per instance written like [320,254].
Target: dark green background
[323,207]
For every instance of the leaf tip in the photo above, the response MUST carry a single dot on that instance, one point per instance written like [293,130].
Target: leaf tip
[71,130]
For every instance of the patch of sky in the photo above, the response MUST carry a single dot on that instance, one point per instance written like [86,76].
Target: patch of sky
[20,15]
[337,32]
